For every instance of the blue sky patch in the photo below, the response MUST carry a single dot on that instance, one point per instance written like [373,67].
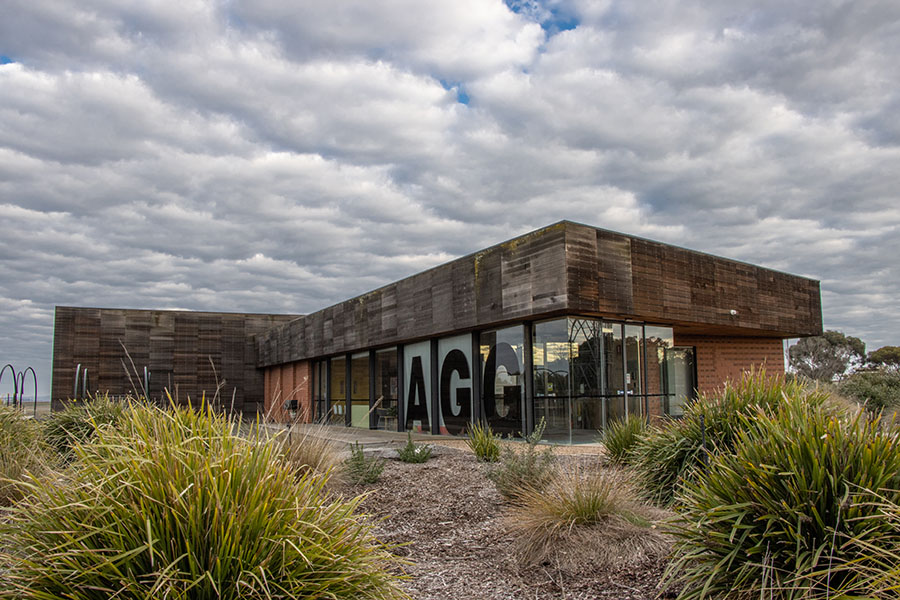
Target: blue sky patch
[461,96]
[5,60]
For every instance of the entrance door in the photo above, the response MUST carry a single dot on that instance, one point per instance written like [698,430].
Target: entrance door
[681,370]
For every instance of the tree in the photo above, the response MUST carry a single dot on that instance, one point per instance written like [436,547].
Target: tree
[828,356]
[886,357]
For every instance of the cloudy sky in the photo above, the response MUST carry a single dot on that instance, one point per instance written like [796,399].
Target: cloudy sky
[276,156]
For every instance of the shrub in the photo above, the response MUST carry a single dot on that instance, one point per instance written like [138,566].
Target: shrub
[178,505]
[583,519]
[483,442]
[672,453]
[621,436]
[309,449]
[78,421]
[523,468]
[771,519]
[414,453]
[362,469]
[21,452]
[876,389]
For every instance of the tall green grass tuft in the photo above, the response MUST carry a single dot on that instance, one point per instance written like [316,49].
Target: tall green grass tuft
[621,436]
[674,452]
[78,421]
[772,518]
[483,442]
[179,505]
[22,451]
[523,468]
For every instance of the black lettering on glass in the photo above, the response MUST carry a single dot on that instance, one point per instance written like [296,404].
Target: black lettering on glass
[502,355]
[416,403]
[455,362]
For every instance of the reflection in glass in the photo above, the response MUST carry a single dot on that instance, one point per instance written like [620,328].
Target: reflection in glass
[550,356]
[338,390]
[657,343]
[614,369]
[503,389]
[634,359]
[319,389]
[359,390]
[386,389]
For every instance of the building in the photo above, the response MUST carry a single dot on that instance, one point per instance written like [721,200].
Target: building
[569,323]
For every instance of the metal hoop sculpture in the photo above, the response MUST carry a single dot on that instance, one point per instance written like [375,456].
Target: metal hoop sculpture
[22,388]
[15,397]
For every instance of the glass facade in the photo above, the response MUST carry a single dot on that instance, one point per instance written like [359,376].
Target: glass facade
[417,386]
[359,390]
[589,372]
[585,373]
[338,390]
[386,389]
[503,379]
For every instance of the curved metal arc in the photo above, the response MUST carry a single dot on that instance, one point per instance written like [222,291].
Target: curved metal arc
[34,380]
[15,380]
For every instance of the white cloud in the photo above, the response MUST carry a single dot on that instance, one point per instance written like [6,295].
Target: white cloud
[274,156]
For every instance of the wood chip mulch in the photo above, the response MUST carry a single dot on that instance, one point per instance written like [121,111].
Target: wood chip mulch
[449,519]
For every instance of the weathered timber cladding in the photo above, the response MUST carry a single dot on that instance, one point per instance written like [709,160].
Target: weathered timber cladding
[180,348]
[564,268]
[508,282]
[618,276]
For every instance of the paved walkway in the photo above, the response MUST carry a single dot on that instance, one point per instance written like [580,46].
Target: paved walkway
[379,439]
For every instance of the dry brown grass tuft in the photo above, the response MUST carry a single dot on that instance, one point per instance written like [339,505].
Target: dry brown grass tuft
[584,520]
[308,448]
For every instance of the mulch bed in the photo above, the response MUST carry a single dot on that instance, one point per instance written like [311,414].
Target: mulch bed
[448,519]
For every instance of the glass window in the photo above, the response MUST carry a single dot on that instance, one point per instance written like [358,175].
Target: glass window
[359,390]
[550,355]
[658,342]
[503,382]
[386,389]
[417,373]
[455,383]
[338,390]
[634,359]
[614,371]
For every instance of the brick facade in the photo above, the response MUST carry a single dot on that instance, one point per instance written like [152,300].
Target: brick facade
[283,383]
[725,358]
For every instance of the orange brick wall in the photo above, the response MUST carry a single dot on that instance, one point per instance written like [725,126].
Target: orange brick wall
[723,358]
[286,382]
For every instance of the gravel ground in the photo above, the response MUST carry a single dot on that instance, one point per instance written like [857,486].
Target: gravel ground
[449,519]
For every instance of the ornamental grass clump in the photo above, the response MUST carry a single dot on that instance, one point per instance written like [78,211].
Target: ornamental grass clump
[621,436]
[178,505]
[521,468]
[361,469]
[79,420]
[483,442]
[775,517]
[307,448]
[22,451]
[674,452]
[582,520]
[414,453]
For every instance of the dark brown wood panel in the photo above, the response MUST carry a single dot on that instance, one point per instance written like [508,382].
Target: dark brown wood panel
[625,277]
[505,283]
[566,267]
[180,348]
